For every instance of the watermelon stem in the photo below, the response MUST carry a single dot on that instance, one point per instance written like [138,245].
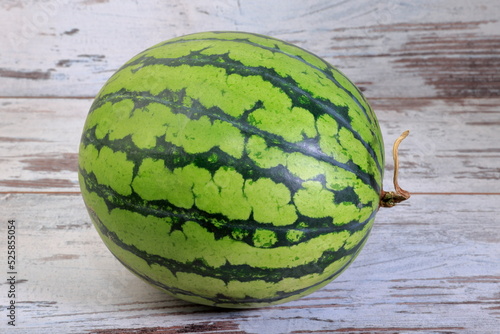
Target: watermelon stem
[391,198]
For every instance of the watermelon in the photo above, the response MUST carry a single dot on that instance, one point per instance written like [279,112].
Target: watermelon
[232,169]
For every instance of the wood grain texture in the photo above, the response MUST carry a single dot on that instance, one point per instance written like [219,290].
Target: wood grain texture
[391,49]
[431,265]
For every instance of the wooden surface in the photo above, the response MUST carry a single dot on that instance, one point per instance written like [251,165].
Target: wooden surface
[431,265]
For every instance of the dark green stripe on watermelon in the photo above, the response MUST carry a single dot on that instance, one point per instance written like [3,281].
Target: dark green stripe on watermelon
[175,156]
[308,147]
[229,272]
[299,97]
[218,224]
[222,299]
[326,68]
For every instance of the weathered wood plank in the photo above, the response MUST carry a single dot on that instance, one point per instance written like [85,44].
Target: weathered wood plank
[39,143]
[433,48]
[453,146]
[430,265]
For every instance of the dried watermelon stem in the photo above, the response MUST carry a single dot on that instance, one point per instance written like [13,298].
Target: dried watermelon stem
[390,198]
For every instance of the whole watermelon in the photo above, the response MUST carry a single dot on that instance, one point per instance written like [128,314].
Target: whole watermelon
[232,169]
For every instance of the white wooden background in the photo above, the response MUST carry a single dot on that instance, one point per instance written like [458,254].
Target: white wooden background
[431,265]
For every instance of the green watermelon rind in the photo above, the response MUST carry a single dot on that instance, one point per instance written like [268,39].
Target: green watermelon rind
[232,169]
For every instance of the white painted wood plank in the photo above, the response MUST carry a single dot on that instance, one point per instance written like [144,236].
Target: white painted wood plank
[430,265]
[39,143]
[453,145]
[391,49]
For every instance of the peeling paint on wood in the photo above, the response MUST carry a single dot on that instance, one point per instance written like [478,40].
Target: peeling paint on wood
[84,58]
[59,257]
[376,330]
[471,77]
[37,183]
[378,42]
[31,75]
[94,2]
[51,162]
[71,32]
[200,327]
